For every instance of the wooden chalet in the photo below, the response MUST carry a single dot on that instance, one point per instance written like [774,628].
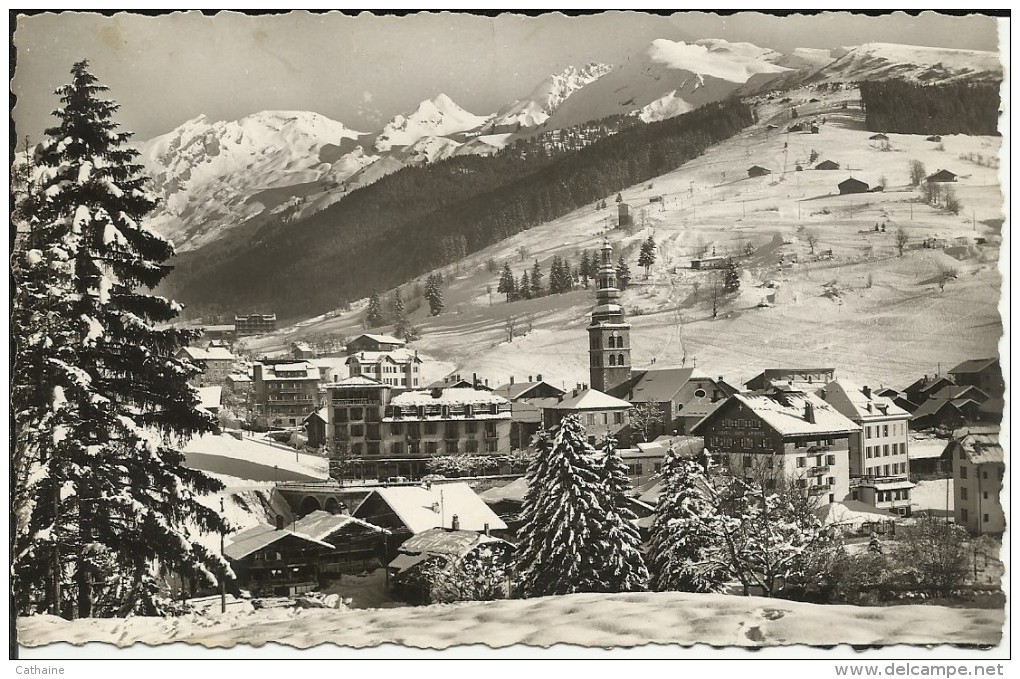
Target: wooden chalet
[758,171]
[852,185]
[827,165]
[941,176]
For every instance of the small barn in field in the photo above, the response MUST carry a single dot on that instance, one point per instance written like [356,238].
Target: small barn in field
[878,137]
[941,176]
[852,185]
[827,165]
[758,171]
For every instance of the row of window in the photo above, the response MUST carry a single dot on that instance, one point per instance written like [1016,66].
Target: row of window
[737,423]
[895,469]
[964,516]
[804,443]
[452,430]
[885,450]
[603,418]
[898,428]
[984,474]
[819,460]
[963,494]
[891,495]
[827,482]
[397,448]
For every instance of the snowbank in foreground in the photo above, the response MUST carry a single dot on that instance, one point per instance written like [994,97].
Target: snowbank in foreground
[585,619]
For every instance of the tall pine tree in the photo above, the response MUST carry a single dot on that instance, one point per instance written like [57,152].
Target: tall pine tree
[101,403]
[585,268]
[684,551]
[374,314]
[507,284]
[646,258]
[622,273]
[732,281]
[399,315]
[561,546]
[536,280]
[524,288]
[434,293]
[625,564]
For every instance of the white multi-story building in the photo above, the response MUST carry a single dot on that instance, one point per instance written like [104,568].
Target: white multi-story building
[399,368]
[879,462]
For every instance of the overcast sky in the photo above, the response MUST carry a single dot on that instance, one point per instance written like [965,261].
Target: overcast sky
[362,70]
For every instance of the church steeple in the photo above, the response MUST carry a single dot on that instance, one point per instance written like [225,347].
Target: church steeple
[608,333]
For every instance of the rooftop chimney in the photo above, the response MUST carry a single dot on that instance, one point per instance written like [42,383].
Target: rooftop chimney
[511,379]
[455,523]
[539,377]
[809,411]
[866,390]
[485,529]
[474,379]
[530,378]
[279,522]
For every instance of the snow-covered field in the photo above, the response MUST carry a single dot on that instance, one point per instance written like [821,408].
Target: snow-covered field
[888,324]
[601,620]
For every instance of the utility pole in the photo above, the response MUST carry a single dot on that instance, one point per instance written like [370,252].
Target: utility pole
[223,574]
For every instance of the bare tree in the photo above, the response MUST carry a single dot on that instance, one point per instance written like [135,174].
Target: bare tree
[812,240]
[523,252]
[917,172]
[902,238]
[949,200]
[644,418]
[509,326]
[716,293]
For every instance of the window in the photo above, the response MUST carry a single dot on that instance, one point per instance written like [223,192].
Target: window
[747,461]
[830,482]
[984,475]
[634,469]
[451,447]
[618,417]
[357,414]
[490,446]
[471,445]
[963,493]
[867,431]
[885,451]
[986,518]
[619,359]
[373,447]
[605,418]
[800,444]
[830,459]
[357,430]
[867,452]
[963,455]
[986,495]
[396,448]
[963,472]
[471,427]
[396,428]
[885,430]
[700,393]
[413,448]
[658,467]
[963,515]
[430,428]
[802,462]
[612,359]
[490,430]
[431,447]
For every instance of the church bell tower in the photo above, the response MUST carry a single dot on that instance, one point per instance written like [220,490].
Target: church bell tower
[608,333]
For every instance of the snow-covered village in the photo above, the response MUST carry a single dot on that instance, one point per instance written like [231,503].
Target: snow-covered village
[691,341]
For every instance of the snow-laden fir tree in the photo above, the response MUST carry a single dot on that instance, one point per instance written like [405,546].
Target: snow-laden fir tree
[374,313]
[625,569]
[732,281]
[107,507]
[585,268]
[622,273]
[524,288]
[570,541]
[685,553]
[536,280]
[434,293]
[399,315]
[507,284]
[646,257]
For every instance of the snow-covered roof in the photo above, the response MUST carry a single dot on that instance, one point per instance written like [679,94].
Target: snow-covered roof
[520,389]
[395,356]
[320,524]
[321,413]
[211,353]
[423,508]
[356,381]
[447,397]
[290,371]
[788,414]
[851,512]
[513,492]
[850,399]
[981,444]
[925,448]
[252,540]
[445,542]
[660,384]
[590,399]
[381,339]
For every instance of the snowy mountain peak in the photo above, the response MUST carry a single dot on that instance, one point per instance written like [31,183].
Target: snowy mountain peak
[733,61]
[543,101]
[436,117]
[880,61]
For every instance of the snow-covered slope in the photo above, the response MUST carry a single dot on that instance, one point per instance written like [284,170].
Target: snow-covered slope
[204,172]
[669,73]
[881,61]
[536,108]
[437,117]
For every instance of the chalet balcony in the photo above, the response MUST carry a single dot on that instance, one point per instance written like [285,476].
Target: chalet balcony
[356,402]
[818,471]
[818,490]
[871,479]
